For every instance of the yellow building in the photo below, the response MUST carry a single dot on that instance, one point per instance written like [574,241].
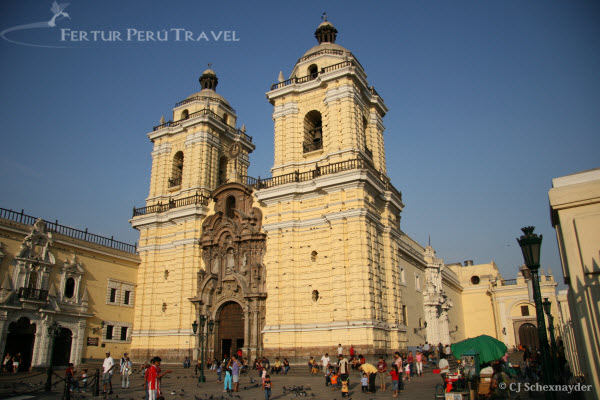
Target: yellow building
[575,213]
[296,263]
[52,273]
[502,308]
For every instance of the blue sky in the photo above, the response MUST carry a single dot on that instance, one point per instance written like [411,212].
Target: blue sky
[489,100]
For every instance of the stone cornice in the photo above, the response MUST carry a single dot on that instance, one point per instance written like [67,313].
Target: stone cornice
[202,137]
[318,326]
[168,217]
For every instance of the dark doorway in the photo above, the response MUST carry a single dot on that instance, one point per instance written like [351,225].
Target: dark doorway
[528,336]
[231,328]
[61,353]
[20,340]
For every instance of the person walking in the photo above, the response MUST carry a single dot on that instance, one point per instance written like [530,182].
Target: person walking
[227,382]
[107,371]
[340,350]
[122,362]
[7,363]
[125,372]
[325,363]
[235,373]
[419,362]
[343,366]
[395,380]
[16,362]
[267,386]
[398,364]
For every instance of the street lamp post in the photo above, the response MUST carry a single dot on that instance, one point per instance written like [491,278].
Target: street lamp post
[53,332]
[547,309]
[204,320]
[531,244]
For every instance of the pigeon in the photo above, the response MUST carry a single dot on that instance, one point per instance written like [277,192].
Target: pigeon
[173,393]
[252,380]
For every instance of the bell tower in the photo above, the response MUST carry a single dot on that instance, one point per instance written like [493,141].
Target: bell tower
[195,152]
[331,214]
[326,112]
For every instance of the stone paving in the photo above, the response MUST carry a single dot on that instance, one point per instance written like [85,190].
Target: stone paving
[183,385]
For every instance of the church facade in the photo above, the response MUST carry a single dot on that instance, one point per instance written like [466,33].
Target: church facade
[296,263]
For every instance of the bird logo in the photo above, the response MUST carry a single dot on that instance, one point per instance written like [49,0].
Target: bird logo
[58,13]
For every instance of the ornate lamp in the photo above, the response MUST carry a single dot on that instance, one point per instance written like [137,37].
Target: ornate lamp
[195,327]
[531,244]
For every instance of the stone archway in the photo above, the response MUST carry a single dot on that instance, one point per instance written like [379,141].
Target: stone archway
[231,287]
[20,341]
[231,329]
[528,336]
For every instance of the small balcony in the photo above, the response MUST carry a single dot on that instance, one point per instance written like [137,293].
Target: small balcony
[33,294]
[316,145]
[174,182]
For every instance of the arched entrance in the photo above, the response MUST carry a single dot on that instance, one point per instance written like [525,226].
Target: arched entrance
[61,353]
[20,340]
[231,329]
[528,336]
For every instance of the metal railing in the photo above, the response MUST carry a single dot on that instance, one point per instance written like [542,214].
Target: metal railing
[204,98]
[174,182]
[312,76]
[308,147]
[23,218]
[320,170]
[170,204]
[210,114]
[33,294]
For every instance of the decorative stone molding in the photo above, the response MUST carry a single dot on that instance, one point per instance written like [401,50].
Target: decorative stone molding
[203,137]
[285,109]
[71,270]
[164,148]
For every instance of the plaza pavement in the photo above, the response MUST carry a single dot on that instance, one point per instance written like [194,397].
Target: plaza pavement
[314,385]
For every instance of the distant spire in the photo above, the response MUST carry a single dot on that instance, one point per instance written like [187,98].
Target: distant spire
[281,78]
[243,128]
[430,240]
[162,119]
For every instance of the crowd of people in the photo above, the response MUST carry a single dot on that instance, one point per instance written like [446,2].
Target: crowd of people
[403,368]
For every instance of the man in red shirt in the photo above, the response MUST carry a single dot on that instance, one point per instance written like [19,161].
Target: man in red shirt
[152,377]
[351,351]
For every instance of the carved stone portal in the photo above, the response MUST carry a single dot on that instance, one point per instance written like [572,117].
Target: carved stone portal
[233,247]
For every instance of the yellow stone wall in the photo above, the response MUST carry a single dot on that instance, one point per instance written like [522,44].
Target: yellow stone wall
[575,210]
